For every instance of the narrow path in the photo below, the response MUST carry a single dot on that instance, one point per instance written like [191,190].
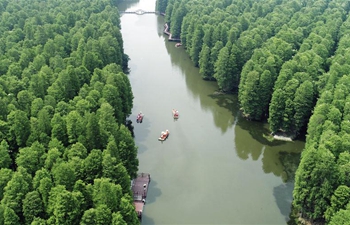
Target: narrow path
[166,31]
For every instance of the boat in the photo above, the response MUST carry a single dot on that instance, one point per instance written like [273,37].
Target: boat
[175,114]
[139,187]
[139,118]
[164,135]
[178,45]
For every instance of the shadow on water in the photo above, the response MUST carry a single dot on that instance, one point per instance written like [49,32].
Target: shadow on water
[258,131]
[278,157]
[141,132]
[290,162]
[147,220]
[200,89]
[154,192]
[228,102]
[283,198]
[124,5]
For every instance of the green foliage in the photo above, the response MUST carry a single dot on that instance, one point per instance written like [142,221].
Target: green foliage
[118,219]
[339,201]
[205,68]
[63,174]
[127,151]
[107,124]
[128,210]
[161,5]
[14,194]
[10,217]
[341,217]
[309,187]
[75,126]
[196,45]
[5,177]
[222,75]
[19,127]
[107,193]
[44,189]
[76,150]
[31,158]
[99,216]
[32,206]
[66,208]
[59,128]
[92,166]
[5,159]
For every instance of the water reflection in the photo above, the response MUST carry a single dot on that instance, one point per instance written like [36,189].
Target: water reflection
[124,5]
[156,192]
[258,131]
[283,198]
[219,157]
[269,151]
[147,220]
[225,121]
[203,90]
[290,162]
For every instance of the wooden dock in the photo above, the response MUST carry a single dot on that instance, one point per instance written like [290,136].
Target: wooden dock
[139,187]
[166,31]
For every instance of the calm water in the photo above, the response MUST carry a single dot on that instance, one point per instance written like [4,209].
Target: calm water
[215,167]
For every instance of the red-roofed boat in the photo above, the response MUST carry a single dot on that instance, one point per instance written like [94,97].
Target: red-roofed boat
[175,114]
[139,117]
[164,135]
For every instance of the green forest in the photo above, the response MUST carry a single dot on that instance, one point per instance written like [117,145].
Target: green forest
[289,62]
[66,154]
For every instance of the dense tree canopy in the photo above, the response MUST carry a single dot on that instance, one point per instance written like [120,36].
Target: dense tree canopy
[65,155]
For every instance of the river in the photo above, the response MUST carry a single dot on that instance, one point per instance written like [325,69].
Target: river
[215,167]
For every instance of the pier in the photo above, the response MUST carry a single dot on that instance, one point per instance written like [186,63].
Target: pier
[139,187]
[166,31]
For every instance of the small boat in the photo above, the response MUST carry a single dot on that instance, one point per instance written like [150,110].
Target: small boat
[178,45]
[175,114]
[164,135]
[139,117]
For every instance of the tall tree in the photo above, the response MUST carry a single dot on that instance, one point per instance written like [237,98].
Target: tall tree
[107,193]
[92,165]
[222,75]
[63,174]
[5,159]
[66,208]
[19,127]
[127,151]
[14,193]
[205,68]
[5,177]
[31,158]
[128,210]
[75,126]
[196,44]
[309,188]
[32,206]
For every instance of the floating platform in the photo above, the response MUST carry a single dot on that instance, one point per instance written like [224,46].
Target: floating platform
[139,187]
